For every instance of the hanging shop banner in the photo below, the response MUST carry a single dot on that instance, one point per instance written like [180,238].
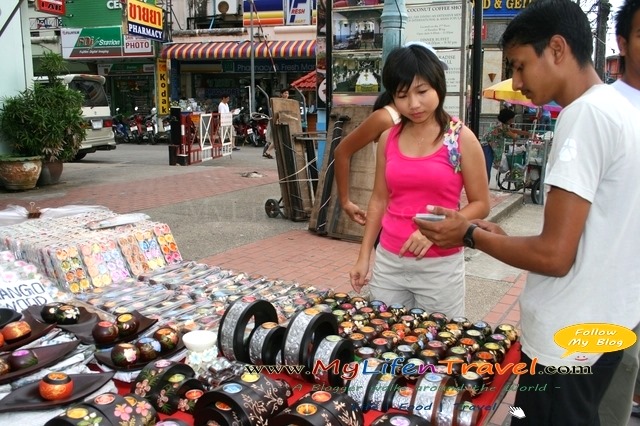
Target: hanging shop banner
[52,7]
[162,89]
[298,12]
[103,42]
[144,20]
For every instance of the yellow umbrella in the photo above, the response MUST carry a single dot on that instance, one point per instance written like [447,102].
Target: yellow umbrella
[503,91]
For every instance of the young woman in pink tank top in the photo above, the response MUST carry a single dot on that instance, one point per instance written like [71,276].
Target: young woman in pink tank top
[426,159]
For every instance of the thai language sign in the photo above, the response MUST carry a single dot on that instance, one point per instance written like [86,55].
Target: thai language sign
[144,20]
[52,7]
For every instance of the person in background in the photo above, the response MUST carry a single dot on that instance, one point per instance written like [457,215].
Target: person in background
[622,397]
[383,117]
[494,138]
[428,158]
[223,108]
[270,146]
[583,264]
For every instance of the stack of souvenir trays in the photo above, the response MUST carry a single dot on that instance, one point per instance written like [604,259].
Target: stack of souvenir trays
[168,307]
[295,297]
[104,261]
[108,409]
[169,386]
[201,288]
[167,243]
[173,277]
[205,315]
[129,293]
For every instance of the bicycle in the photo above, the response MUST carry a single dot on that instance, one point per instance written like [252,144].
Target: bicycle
[524,168]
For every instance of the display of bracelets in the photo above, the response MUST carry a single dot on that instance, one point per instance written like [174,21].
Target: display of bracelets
[428,393]
[360,386]
[305,332]
[231,332]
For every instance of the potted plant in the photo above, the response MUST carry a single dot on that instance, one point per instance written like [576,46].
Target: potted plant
[44,121]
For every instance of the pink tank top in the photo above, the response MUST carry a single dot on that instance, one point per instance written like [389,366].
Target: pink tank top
[412,184]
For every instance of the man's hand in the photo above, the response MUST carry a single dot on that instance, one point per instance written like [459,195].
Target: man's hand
[489,226]
[355,213]
[417,244]
[445,233]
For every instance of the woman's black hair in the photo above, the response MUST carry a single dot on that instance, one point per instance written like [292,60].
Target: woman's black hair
[382,100]
[404,64]
[505,115]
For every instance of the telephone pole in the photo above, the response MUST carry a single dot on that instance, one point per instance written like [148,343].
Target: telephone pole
[604,8]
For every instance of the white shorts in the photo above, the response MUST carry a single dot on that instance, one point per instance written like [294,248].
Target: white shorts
[435,284]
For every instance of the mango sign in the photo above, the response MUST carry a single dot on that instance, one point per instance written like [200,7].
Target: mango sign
[144,20]
[594,338]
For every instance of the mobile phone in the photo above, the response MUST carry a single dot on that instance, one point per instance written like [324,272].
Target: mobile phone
[430,217]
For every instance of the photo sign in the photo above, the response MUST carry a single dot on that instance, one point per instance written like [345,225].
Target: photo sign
[144,20]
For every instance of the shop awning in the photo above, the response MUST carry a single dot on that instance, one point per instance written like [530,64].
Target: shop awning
[202,51]
[306,82]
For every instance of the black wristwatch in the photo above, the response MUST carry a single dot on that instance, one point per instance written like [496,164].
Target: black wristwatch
[467,240]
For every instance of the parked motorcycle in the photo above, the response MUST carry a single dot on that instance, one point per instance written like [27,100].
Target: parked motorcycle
[150,127]
[164,135]
[242,128]
[259,124]
[135,126]
[120,130]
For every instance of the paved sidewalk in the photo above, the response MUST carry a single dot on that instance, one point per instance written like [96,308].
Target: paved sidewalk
[217,217]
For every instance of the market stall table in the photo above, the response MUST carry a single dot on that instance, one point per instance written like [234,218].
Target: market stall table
[487,402]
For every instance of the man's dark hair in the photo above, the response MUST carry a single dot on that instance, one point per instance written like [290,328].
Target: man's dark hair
[284,90]
[624,18]
[543,19]
[225,95]
[505,115]
[404,64]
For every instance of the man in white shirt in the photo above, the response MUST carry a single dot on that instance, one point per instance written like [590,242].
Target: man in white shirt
[223,107]
[623,394]
[583,264]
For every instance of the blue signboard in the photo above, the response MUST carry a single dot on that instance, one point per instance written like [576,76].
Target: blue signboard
[503,8]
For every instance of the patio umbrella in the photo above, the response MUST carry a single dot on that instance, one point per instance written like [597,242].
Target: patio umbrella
[503,91]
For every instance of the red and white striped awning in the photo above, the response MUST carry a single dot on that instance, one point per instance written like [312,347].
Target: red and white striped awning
[203,51]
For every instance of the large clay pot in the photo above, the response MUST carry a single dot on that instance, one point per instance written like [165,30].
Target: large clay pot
[51,172]
[20,173]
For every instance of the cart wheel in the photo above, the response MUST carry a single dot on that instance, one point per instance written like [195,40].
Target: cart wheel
[536,195]
[507,182]
[272,208]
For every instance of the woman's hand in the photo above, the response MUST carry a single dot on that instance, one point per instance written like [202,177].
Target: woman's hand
[417,244]
[358,275]
[355,213]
